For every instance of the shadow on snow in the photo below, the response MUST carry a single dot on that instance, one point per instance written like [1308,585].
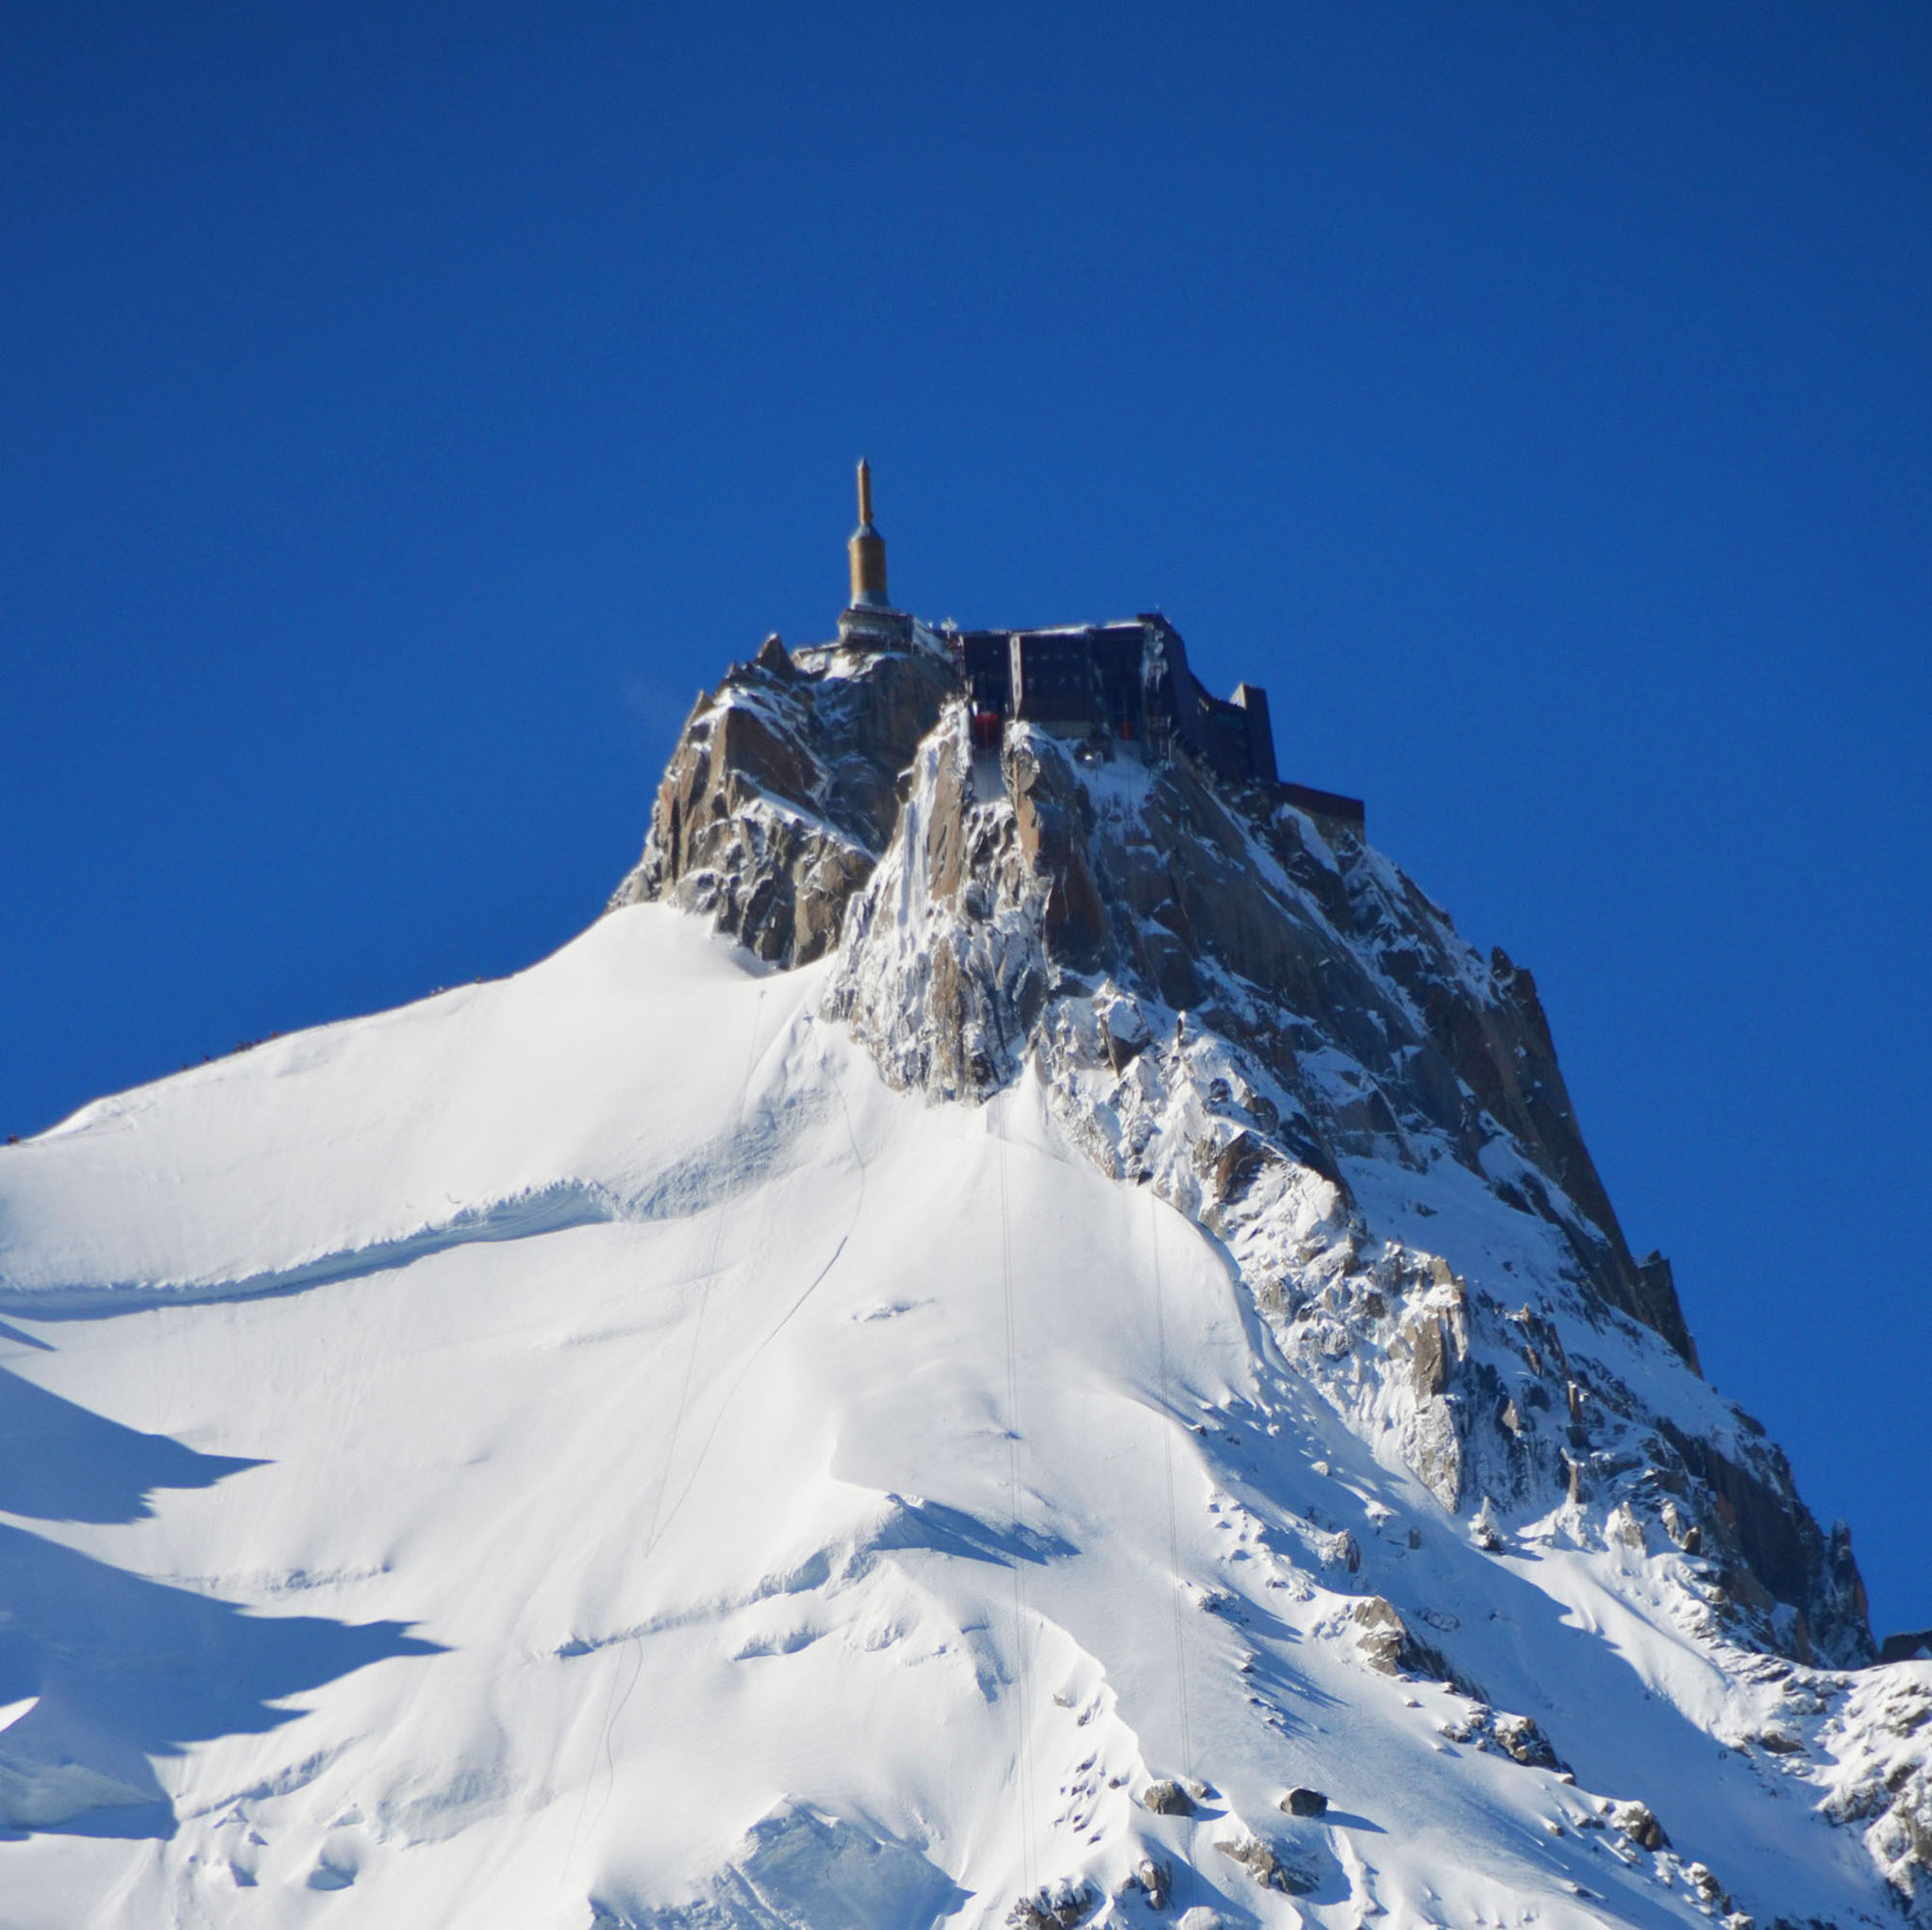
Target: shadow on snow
[61,1462]
[126,1669]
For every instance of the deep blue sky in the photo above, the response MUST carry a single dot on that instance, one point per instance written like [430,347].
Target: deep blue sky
[406,409]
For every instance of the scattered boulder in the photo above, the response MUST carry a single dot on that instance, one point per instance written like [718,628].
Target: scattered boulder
[1383,1636]
[1389,1647]
[1301,1802]
[1636,1820]
[1707,1887]
[1058,1908]
[1265,1865]
[1483,1530]
[1166,1798]
[1516,1736]
[1154,1880]
[1520,1738]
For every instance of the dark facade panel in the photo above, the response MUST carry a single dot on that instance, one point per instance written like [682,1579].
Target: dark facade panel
[985,662]
[1252,701]
[1119,661]
[1219,733]
[1054,677]
[1326,804]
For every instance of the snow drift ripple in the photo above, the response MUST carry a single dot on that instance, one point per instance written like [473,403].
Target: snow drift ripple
[721,1168]
[555,1208]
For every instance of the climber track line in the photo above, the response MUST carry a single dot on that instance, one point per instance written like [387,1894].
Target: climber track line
[1173,1540]
[784,1320]
[614,1705]
[710,1275]
[1023,1753]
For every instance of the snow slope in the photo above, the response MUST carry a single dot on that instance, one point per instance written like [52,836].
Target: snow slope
[582,1450]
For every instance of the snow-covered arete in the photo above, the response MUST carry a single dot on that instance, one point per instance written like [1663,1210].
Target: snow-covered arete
[953,1430]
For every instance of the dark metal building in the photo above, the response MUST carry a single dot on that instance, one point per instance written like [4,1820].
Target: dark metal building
[1127,681]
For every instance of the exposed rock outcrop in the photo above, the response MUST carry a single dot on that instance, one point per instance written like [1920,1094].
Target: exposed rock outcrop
[782,792]
[1270,1865]
[1635,1820]
[1874,1751]
[1282,935]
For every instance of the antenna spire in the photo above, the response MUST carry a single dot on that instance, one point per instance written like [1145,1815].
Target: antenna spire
[867,551]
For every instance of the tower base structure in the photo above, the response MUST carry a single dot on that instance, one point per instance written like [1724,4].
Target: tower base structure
[868,627]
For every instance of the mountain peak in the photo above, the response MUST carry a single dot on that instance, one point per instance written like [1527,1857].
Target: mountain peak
[1021,1334]
[1049,856]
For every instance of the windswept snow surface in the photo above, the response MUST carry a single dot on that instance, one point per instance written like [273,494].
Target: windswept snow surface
[580,1450]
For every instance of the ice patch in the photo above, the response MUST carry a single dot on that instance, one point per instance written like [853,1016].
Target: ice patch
[798,1867]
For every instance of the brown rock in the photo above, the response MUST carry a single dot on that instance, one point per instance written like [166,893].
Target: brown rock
[781,795]
[1264,1864]
[1166,1798]
[1635,1820]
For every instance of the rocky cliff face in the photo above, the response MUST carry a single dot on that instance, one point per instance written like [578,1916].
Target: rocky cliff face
[783,791]
[1254,1011]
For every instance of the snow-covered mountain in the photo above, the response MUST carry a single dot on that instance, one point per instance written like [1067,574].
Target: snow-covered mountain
[1018,1335]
